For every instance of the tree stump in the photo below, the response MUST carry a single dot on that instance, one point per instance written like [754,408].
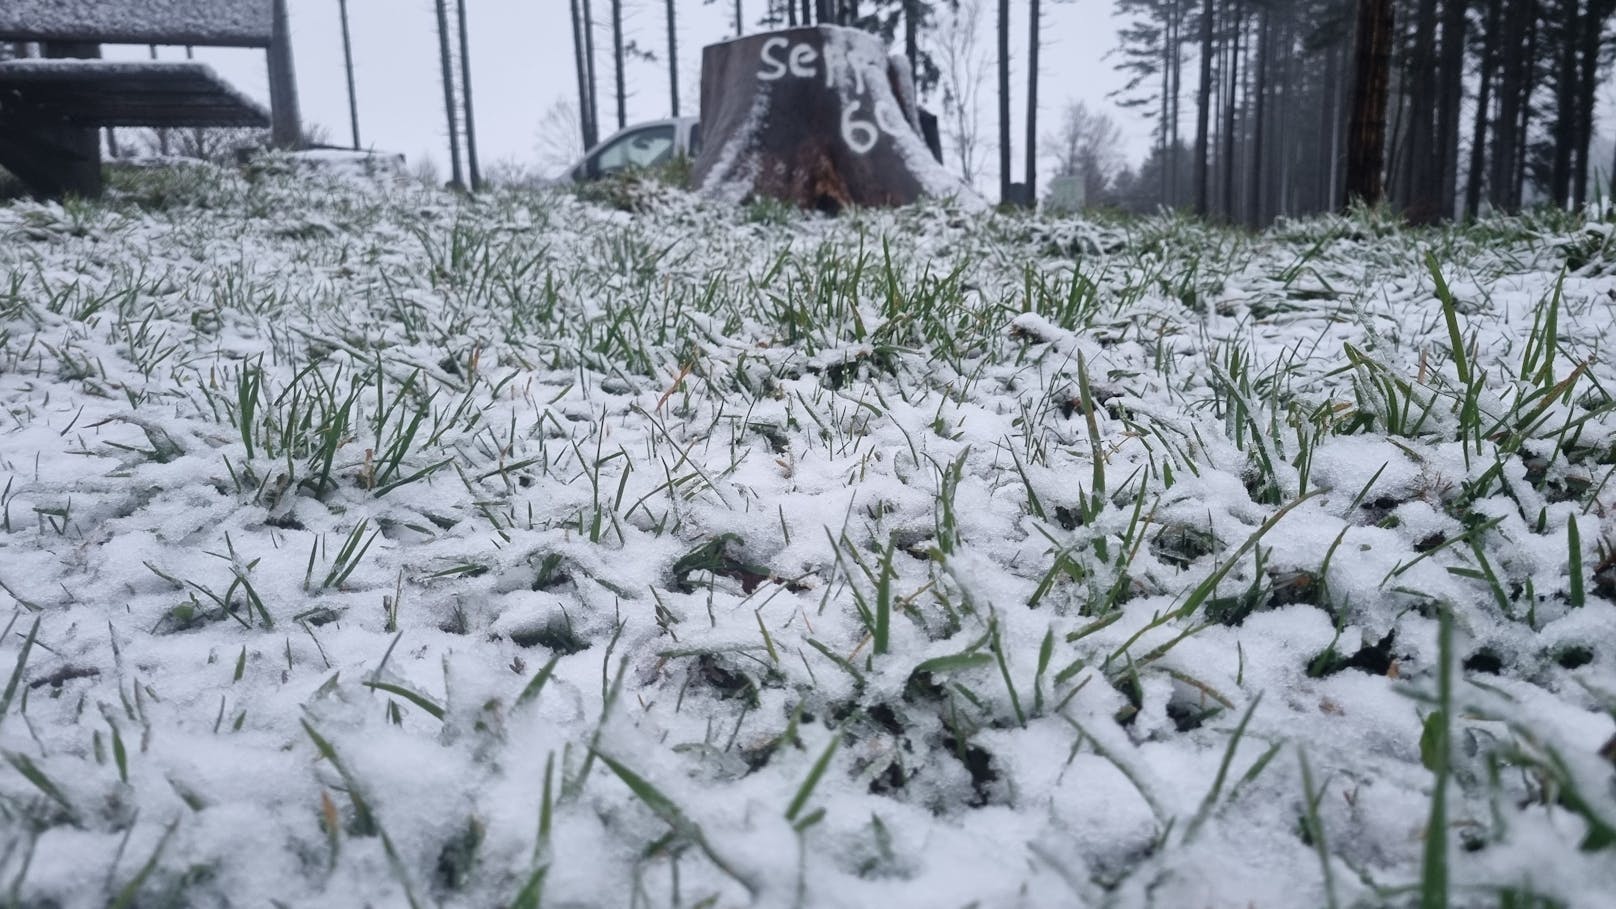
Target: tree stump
[818,116]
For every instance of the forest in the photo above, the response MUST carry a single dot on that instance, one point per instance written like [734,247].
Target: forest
[1439,109]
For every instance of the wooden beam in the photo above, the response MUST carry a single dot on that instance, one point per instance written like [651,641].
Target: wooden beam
[94,93]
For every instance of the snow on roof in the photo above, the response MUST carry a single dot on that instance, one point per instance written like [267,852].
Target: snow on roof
[221,22]
[41,69]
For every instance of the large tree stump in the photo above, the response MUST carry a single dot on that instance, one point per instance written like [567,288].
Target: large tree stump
[817,116]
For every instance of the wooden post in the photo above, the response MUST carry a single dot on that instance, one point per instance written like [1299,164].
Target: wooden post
[286,126]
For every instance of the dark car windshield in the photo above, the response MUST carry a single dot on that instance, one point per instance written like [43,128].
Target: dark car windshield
[646,147]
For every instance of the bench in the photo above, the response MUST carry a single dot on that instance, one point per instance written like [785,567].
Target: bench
[52,108]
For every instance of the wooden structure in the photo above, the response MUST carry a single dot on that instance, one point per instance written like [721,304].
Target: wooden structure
[52,108]
[818,116]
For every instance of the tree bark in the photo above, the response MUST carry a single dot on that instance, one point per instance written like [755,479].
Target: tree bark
[1523,131]
[1254,182]
[1203,112]
[1452,70]
[1164,188]
[445,58]
[585,127]
[592,113]
[1366,129]
[617,63]
[1512,86]
[347,66]
[1175,191]
[673,62]
[1030,194]
[1231,81]
[1565,104]
[465,98]
[1421,191]
[286,121]
[1004,102]
[1478,133]
[1587,84]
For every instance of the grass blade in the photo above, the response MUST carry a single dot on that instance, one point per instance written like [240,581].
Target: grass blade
[814,773]
[16,672]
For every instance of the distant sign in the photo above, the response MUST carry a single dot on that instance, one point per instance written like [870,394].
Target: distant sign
[781,58]
[820,116]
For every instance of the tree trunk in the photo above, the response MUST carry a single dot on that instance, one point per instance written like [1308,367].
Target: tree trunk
[617,63]
[285,119]
[585,127]
[1004,102]
[1511,64]
[1523,131]
[1030,194]
[592,113]
[1422,192]
[1478,132]
[1254,182]
[1203,111]
[1326,152]
[1366,128]
[449,94]
[1174,162]
[1452,94]
[347,66]
[673,62]
[1587,84]
[465,98]
[1231,88]
[1565,104]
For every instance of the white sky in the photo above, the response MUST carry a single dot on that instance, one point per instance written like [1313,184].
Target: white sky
[522,62]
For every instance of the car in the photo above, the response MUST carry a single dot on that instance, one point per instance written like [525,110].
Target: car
[642,145]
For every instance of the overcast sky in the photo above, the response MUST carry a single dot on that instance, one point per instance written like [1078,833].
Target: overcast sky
[522,63]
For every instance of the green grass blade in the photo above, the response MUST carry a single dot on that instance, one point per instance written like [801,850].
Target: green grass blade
[814,773]
[17,670]
[414,697]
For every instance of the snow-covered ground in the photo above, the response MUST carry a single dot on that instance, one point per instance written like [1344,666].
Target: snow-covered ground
[364,545]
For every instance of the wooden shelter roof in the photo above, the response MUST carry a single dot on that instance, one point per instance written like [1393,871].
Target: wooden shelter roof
[93,93]
[225,23]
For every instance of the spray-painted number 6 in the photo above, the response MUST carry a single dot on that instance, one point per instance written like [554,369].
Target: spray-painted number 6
[860,135]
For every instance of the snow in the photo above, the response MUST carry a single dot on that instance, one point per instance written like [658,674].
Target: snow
[663,456]
[71,68]
[202,21]
[357,165]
